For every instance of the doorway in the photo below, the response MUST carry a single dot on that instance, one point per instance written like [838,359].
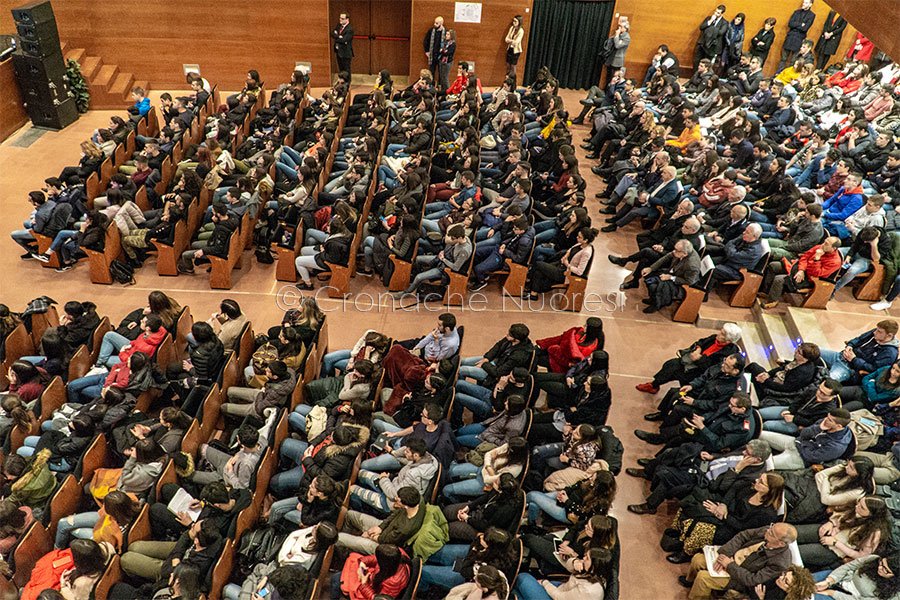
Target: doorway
[380,34]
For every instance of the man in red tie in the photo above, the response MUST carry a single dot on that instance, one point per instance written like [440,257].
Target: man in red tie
[343,43]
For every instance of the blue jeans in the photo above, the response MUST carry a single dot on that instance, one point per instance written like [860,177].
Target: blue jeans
[112,343]
[544,502]
[315,236]
[286,482]
[379,427]
[380,464]
[487,261]
[439,569]
[297,419]
[547,454]
[838,369]
[85,389]
[334,360]
[231,591]
[466,485]
[80,526]
[468,369]
[468,436]
[475,398]
[24,238]
[61,238]
[528,588]
[285,509]
[367,493]
[859,265]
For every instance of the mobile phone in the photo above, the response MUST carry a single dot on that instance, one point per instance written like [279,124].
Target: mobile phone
[263,592]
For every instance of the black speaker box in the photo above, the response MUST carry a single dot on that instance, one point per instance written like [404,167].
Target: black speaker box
[34,12]
[41,33]
[32,71]
[53,116]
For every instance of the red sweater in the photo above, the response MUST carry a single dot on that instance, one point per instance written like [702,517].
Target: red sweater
[118,376]
[825,266]
[146,343]
[393,586]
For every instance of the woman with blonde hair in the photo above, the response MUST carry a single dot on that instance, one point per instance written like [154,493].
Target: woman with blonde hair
[91,159]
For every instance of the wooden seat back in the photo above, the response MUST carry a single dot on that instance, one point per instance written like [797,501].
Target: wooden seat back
[80,363]
[99,261]
[220,276]
[33,544]
[53,397]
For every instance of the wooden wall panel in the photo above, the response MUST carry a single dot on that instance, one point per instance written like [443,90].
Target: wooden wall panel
[876,19]
[12,113]
[676,24]
[480,42]
[153,38]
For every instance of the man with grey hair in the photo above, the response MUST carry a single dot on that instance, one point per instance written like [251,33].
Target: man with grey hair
[741,253]
[751,558]
[662,195]
[690,231]
[695,359]
[669,227]
[719,214]
[664,278]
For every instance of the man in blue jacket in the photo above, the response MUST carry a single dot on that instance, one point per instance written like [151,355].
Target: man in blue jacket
[823,442]
[868,352]
[740,253]
[846,201]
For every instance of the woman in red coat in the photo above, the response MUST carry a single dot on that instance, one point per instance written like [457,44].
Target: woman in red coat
[572,346]
[861,49]
[386,572]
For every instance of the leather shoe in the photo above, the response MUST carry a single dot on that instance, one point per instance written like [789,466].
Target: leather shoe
[595,170]
[654,417]
[647,436]
[630,285]
[647,388]
[684,582]
[617,260]
[644,461]
[608,229]
[578,121]
[609,210]
[678,558]
[587,146]
[639,473]
[592,156]
[650,310]
[641,509]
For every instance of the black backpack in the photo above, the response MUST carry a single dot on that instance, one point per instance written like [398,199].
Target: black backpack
[121,272]
[259,545]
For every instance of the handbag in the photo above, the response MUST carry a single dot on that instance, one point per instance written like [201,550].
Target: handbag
[867,428]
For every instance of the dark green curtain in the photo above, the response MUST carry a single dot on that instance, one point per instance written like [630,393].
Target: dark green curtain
[567,36]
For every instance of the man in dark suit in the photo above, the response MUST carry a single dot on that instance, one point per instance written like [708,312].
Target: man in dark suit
[343,42]
[665,277]
[665,194]
[830,38]
[800,22]
[712,36]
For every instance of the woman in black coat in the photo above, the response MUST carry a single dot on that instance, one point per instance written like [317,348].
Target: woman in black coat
[92,236]
[763,40]
[206,357]
[788,378]
[827,47]
[696,359]
[500,507]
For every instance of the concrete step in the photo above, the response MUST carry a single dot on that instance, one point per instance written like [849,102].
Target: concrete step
[121,86]
[90,66]
[803,324]
[779,343]
[105,77]
[753,344]
[75,54]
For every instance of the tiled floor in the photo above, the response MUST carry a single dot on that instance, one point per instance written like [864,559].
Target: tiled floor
[637,343]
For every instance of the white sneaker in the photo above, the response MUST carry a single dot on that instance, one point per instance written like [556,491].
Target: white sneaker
[883,305]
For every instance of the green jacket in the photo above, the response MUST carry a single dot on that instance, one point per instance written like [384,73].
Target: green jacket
[36,484]
[433,534]
[891,267]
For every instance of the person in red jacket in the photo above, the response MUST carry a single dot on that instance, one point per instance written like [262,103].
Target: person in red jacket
[819,261]
[386,572]
[147,342]
[560,353]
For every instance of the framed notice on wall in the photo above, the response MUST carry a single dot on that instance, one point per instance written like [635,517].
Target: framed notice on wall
[467,12]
